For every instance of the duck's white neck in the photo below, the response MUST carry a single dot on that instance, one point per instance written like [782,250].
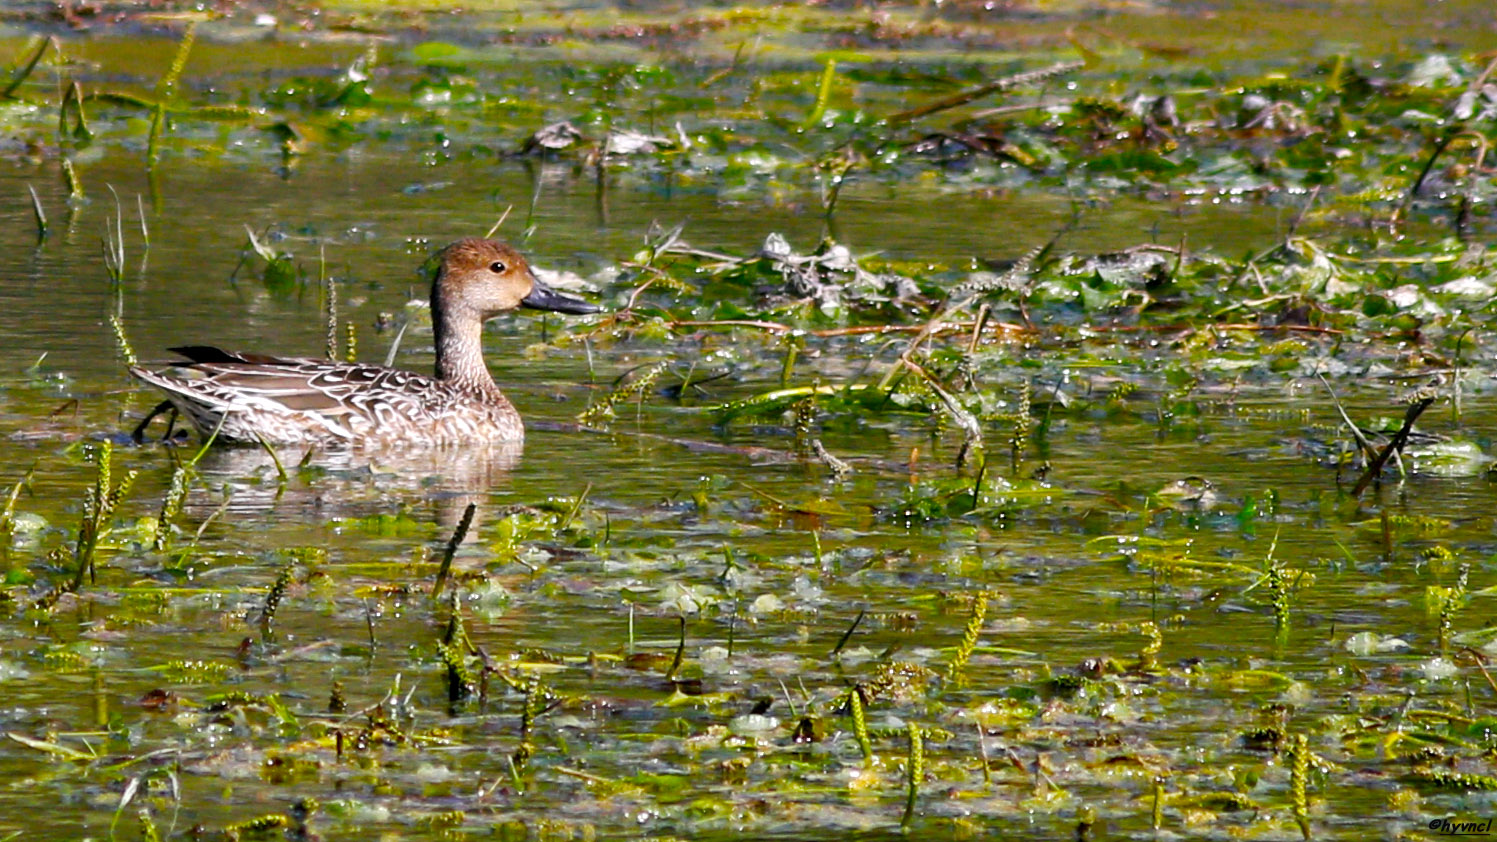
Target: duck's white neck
[459,335]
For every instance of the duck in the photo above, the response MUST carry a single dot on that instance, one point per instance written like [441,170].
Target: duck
[250,398]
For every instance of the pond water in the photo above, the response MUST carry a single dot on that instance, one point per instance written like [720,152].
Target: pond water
[667,613]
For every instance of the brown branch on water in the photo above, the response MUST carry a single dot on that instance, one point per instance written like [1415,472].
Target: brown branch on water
[939,325]
[772,327]
[1420,401]
[1479,660]
[971,429]
[1304,211]
[856,330]
[755,453]
[692,251]
[1332,331]
[967,95]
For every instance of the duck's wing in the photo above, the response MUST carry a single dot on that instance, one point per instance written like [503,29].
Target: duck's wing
[325,387]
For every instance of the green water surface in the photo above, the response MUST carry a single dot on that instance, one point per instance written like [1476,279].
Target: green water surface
[1129,640]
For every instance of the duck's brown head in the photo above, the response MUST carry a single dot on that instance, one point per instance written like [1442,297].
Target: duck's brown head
[488,278]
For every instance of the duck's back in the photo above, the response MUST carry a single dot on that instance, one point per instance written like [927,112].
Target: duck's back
[300,400]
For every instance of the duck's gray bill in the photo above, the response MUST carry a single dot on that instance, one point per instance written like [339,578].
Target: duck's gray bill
[542,297]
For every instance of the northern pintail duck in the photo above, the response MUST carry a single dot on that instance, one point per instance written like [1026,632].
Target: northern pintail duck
[299,400]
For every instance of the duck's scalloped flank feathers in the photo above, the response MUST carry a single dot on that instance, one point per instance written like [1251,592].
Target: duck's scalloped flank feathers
[307,401]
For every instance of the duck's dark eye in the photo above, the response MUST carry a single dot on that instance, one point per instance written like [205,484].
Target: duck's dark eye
[497,267]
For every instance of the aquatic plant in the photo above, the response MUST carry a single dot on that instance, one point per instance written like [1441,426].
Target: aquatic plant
[99,503]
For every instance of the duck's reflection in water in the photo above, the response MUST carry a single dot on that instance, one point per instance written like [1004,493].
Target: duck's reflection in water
[326,484]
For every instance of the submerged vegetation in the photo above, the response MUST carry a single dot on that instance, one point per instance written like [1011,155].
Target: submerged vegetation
[906,520]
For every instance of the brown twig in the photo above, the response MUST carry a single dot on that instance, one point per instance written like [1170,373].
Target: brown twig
[1252,327]
[1421,402]
[971,429]
[758,454]
[1480,660]
[963,97]
[1304,211]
